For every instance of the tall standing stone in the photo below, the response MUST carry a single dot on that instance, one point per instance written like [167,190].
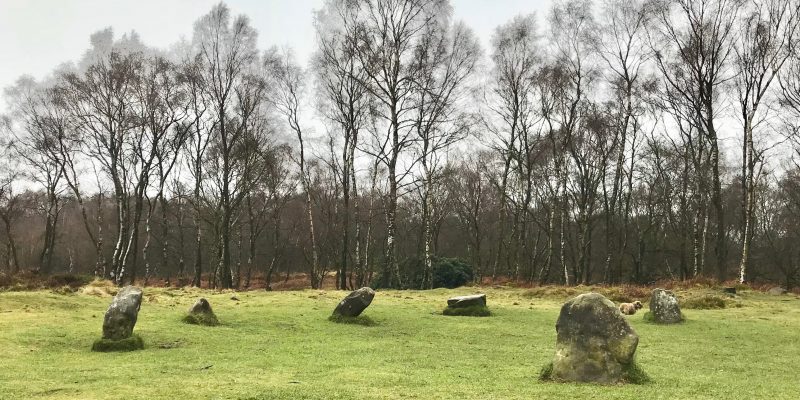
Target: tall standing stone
[664,307]
[121,315]
[594,342]
[355,303]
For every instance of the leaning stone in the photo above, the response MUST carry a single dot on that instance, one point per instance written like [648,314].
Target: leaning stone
[121,315]
[467,301]
[594,342]
[119,321]
[355,303]
[201,314]
[777,291]
[664,307]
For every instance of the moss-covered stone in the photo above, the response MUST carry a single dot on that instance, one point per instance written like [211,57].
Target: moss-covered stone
[471,311]
[201,314]
[664,307]
[207,319]
[122,313]
[594,342]
[134,342]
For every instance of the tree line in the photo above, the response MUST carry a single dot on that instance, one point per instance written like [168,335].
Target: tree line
[608,141]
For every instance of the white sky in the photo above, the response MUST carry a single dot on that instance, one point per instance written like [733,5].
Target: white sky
[38,35]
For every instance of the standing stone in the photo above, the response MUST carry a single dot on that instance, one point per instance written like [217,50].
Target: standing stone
[594,341]
[122,313]
[355,303]
[202,314]
[467,301]
[664,307]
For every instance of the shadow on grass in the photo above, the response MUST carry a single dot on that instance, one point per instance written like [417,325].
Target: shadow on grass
[472,311]
[359,320]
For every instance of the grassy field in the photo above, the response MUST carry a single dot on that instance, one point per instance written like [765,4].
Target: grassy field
[280,345]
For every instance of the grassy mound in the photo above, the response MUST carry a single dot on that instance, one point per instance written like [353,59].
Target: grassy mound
[207,319]
[706,302]
[632,374]
[129,344]
[359,320]
[472,311]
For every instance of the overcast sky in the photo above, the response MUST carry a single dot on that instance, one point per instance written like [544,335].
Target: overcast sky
[38,35]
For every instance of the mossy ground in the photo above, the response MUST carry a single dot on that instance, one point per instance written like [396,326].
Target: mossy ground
[132,343]
[703,302]
[648,317]
[632,374]
[207,319]
[280,345]
[471,311]
[359,320]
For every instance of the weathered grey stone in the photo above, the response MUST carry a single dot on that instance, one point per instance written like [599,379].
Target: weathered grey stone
[467,301]
[664,307]
[201,306]
[201,313]
[594,341]
[777,291]
[355,303]
[121,315]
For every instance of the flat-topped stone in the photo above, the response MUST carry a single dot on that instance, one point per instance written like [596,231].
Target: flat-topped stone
[467,301]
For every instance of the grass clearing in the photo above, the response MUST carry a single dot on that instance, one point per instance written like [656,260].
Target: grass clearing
[280,345]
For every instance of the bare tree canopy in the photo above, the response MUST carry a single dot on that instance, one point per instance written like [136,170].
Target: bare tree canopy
[601,141]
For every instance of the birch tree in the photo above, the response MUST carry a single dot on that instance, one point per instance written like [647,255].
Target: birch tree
[764,44]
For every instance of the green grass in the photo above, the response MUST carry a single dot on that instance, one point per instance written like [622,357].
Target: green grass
[280,345]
